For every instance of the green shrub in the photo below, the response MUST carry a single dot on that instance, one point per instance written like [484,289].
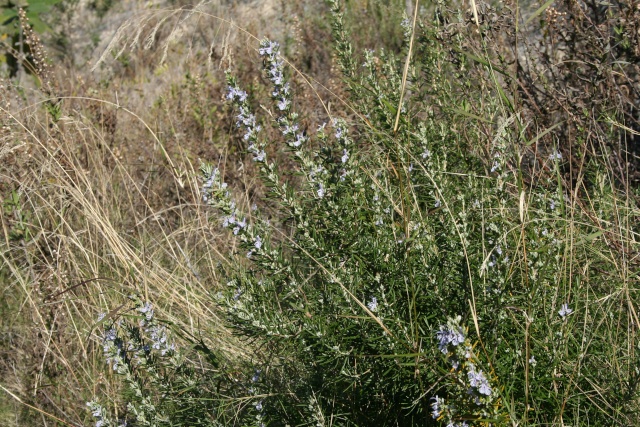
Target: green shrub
[404,268]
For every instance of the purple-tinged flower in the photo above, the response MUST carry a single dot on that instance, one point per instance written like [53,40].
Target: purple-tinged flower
[565,310]
[278,78]
[345,156]
[236,93]
[373,304]
[455,363]
[479,381]
[230,220]
[556,155]
[300,138]
[147,310]
[437,406]
[110,335]
[260,156]
[449,335]
[258,242]
[283,104]
[268,47]
[290,129]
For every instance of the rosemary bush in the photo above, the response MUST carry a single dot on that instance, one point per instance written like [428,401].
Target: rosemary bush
[404,269]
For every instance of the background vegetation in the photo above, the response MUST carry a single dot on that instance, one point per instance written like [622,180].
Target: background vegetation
[302,213]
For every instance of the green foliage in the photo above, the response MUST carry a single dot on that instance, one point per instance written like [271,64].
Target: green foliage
[18,217]
[411,269]
[162,386]
[34,8]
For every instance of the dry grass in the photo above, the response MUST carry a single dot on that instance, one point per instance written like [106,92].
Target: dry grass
[107,204]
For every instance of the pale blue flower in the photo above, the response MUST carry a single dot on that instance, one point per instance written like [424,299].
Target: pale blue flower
[235,93]
[449,335]
[290,129]
[300,138]
[110,335]
[345,156]
[437,406]
[277,80]
[555,155]
[373,304]
[147,310]
[268,47]
[479,381]
[283,104]
[565,310]
[260,156]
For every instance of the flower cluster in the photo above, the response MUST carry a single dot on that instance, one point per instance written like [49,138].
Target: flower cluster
[158,337]
[450,334]
[213,186]
[342,137]
[232,220]
[259,403]
[407,28]
[246,120]
[274,65]
[128,349]
[113,348]
[215,192]
[317,177]
[470,390]
[99,414]
[217,195]
[478,381]
[287,120]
